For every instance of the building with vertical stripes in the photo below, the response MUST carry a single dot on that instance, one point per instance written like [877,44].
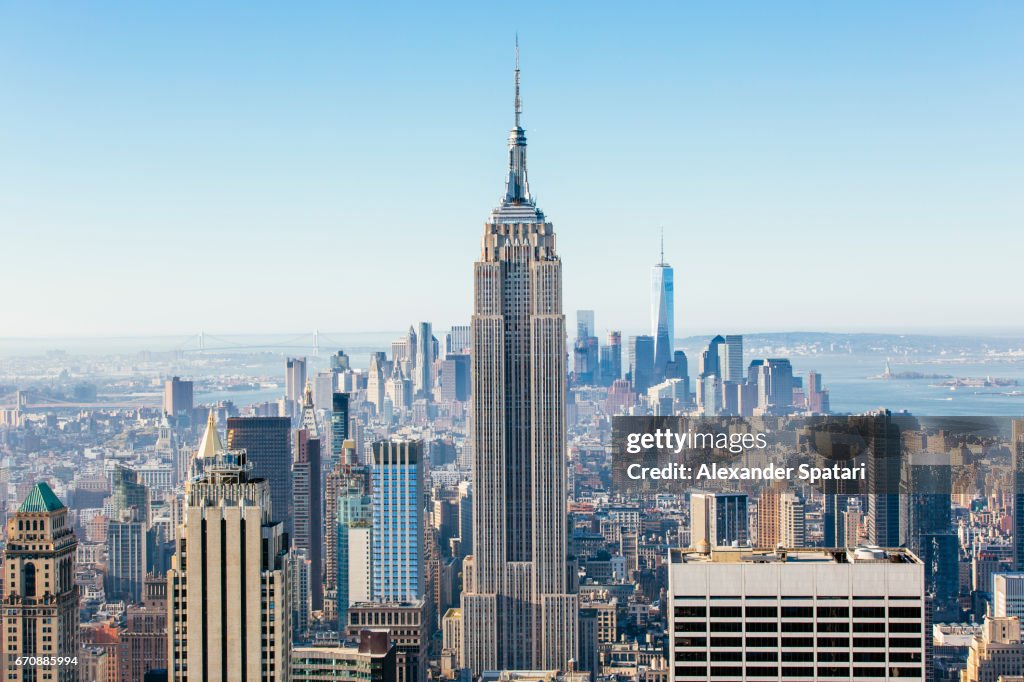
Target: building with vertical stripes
[229,585]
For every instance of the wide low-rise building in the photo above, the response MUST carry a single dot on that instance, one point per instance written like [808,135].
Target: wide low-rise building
[740,613]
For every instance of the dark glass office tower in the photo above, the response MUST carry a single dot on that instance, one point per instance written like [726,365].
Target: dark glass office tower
[339,426]
[308,497]
[882,437]
[926,518]
[641,362]
[611,359]
[267,448]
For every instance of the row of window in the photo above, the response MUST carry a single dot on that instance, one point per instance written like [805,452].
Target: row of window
[803,642]
[798,656]
[795,626]
[701,611]
[789,672]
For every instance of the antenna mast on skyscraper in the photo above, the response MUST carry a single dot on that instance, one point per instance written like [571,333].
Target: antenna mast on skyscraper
[662,261]
[519,103]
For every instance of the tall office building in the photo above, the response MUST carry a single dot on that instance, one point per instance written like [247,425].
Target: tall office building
[457,340]
[128,494]
[338,433]
[337,484]
[835,514]
[662,314]
[347,504]
[397,507]
[586,360]
[145,633]
[811,614]
[927,529]
[351,509]
[404,349]
[882,438]
[177,397]
[679,368]
[774,380]
[817,397]
[229,586]
[360,563]
[126,557]
[423,368]
[1017,445]
[768,532]
[376,382]
[720,519]
[298,571]
[731,358]
[267,445]
[710,359]
[709,395]
[641,362]
[1008,595]
[340,362]
[454,378]
[848,526]
[611,359]
[294,383]
[307,498]
[518,604]
[792,521]
[324,385]
[585,323]
[127,536]
[40,597]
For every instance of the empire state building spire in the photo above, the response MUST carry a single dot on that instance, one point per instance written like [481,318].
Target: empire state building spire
[517,188]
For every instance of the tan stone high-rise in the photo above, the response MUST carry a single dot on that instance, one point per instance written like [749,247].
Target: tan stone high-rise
[229,606]
[40,604]
[518,606]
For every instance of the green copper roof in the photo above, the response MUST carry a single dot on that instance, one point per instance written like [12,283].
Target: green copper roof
[41,499]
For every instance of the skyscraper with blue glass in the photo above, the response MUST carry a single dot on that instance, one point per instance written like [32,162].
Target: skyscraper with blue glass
[662,314]
[396,480]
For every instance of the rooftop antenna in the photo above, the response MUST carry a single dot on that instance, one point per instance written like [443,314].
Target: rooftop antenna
[519,102]
[662,245]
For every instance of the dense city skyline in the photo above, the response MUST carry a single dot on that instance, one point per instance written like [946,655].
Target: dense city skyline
[532,481]
[159,143]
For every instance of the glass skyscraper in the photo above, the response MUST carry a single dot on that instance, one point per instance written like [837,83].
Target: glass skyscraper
[396,480]
[662,314]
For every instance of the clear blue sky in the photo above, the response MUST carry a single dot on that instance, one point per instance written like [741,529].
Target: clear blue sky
[236,167]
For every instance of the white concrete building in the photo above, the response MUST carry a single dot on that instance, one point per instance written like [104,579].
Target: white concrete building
[739,614]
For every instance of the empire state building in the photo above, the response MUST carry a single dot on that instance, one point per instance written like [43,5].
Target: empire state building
[519,605]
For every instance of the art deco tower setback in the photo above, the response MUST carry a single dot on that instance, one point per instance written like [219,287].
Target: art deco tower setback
[519,610]
[229,605]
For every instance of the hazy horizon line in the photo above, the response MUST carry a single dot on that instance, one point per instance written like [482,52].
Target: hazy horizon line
[1008,331]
